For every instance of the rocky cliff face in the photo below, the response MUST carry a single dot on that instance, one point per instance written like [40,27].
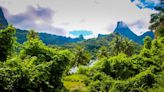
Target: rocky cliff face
[3,21]
[123,29]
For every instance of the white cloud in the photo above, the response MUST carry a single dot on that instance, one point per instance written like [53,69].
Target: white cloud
[96,15]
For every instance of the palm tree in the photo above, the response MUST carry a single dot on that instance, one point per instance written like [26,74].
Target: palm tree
[82,56]
[122,45]
[32,35]
[116,45]
[103,52]
[128,47]
[147,42]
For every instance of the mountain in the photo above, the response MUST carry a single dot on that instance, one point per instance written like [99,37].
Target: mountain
[92,45]
[48,38]
[3,21]
[125,31]
[121,29]
[101,35]
[45,37]
[148,33]
[58,40]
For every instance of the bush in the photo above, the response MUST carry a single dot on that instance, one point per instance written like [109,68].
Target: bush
[139,83]
[118,67]
[25,75]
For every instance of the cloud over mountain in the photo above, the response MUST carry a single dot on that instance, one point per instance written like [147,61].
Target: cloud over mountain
[39,18]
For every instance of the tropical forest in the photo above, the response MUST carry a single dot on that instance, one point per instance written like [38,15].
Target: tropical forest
[120,61]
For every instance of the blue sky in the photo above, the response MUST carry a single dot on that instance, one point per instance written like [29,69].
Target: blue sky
[151,4]
[81,32]
[61,17]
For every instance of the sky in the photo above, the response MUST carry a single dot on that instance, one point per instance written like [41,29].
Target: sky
[74,17]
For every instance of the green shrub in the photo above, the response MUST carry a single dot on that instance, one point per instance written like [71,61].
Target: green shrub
[138,83]
[118,67]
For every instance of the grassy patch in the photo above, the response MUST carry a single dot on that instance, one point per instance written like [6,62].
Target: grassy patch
[75,82]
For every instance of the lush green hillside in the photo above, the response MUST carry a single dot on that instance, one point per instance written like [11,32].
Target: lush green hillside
[47,38]
[94,45]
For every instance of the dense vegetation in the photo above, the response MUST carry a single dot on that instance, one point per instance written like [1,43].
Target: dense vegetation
[106,44]
[123,74]
[32,66]
[113,65]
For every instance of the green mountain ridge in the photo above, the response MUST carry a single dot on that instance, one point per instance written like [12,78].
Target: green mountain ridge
[47,38]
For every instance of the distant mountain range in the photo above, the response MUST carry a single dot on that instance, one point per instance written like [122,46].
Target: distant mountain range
[46,38]
[93,45]
[121,29]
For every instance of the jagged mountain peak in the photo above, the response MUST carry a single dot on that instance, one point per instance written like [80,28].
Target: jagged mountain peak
[123,29]
[1,11]
[121,24]
[3,21]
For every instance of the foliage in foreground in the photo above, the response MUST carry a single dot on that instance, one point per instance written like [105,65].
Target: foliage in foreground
[120,73]
[36,68]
